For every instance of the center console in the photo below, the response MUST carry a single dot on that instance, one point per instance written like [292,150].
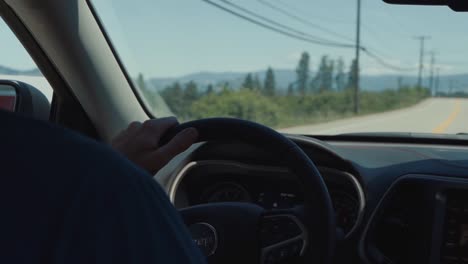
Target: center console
[421,219]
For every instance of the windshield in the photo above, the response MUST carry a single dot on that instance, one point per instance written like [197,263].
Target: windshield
[299,66]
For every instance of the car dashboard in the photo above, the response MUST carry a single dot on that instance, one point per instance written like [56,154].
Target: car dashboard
[394,202]
[212,181]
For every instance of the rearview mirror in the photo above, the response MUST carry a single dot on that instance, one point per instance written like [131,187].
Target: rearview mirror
[23,98]
[456,5]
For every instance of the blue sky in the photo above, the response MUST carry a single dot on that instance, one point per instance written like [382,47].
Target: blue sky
[167,38]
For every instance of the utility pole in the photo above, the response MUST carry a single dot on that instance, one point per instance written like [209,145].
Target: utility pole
[437,81]
[422,39]
[450,88]
[431,79]
[358,49]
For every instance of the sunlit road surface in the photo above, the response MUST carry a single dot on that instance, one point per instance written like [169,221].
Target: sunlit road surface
[435,115]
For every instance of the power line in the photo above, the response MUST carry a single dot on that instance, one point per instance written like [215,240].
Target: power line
[277,30]
[371,52]
[384,63]
[376,54]
[302,20]
[303,38]
[322,18]
[245,10]
[381,42]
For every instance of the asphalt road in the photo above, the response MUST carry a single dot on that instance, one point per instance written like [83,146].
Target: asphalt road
[435,115]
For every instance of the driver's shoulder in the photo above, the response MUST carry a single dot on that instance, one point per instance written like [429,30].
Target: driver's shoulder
[47,148]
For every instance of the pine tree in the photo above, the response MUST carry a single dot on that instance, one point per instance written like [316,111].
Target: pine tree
[302,72]
[225,87]
[173,95]
[352,75]
[324,77]
[340,77]
[248,82]
[269,87]
[290,90]
[141,82]
[328,75]
[209,89]
[257,85]
[191,92]
[315,83]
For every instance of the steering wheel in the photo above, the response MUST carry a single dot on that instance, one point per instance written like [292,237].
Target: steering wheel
[247,233]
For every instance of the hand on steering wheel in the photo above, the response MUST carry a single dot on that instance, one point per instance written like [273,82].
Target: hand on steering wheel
[140,142]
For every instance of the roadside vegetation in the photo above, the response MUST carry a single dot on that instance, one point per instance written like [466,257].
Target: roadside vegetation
[313,98]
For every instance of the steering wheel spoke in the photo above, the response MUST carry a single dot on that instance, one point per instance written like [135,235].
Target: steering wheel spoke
[283,237]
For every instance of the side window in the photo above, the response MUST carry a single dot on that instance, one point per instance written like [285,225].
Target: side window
[16,64]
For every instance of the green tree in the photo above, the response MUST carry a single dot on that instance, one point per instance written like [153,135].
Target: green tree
[141,81]
[302,72]
[225,87]
[340,77]
[209,89]
[154,100]
[323,80]
[191,92]
[290,90]
[328,75]
[248,82]
[269,87]
[352,75]
[173,95]
[257,85]
[244,104]
[315,83]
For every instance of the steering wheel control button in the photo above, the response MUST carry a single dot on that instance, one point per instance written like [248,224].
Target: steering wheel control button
[285,253]
[275,229]
[205,237]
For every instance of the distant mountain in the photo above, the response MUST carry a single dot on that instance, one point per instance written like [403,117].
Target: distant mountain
[235,79]
[455,82]
[285,76]
[10,71]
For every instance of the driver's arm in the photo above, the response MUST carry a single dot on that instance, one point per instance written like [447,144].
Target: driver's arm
[139,142]
[68,199]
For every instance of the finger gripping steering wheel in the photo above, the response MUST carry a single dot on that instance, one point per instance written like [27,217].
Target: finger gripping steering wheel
[247,233]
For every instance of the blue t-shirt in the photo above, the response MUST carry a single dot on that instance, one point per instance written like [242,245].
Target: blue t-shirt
[68,199]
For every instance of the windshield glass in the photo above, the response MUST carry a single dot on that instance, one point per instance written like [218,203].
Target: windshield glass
[292,65]
[17,65]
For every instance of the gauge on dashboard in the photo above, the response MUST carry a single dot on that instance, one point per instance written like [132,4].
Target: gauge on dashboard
[226,192]
[277,200]
[346,210]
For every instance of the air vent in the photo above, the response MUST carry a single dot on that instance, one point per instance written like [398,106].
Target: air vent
[455,236]
[402,230]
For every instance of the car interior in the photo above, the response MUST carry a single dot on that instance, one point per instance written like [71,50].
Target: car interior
[271,197]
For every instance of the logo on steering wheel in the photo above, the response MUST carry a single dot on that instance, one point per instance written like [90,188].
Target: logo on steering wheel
[205,237]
